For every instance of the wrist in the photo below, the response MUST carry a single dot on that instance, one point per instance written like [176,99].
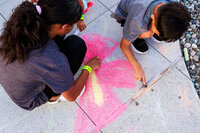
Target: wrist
[82,16]
[88,68]
[136,65]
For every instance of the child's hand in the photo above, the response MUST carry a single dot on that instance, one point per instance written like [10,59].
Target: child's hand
[139,74]
[94,63]
[81,25]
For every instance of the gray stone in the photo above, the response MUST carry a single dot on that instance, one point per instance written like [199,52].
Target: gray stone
[198,36]
[187,45]
[198,53]
[196,58]
[194,35]
[194,40]
[192,53]
[192,67]
[193,26]
[194,46]
[188,36]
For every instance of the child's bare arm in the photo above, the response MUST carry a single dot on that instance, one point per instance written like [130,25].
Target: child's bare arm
[147,34]
[81,3]
[77,87]
[81,24]
[139,73]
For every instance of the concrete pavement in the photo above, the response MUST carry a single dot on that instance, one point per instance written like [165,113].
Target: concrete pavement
[171,106]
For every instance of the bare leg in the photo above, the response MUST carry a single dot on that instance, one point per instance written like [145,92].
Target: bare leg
[54,98]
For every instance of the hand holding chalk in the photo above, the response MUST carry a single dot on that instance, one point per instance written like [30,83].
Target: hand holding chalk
[94,63]
[139,74]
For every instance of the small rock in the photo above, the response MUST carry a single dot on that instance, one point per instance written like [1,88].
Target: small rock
[192,67]
[196,85]
[192,53]
[196,58]
[198,36]
[136,103]
[198,53]
[194,35]
[189,29]
[187,45]
[193,26]
[194,46]
[194,40]
[188,36]
[193,80]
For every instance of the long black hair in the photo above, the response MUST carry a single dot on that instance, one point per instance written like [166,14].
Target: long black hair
[26,29]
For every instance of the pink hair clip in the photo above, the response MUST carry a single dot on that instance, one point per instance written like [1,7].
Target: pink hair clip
[39,10]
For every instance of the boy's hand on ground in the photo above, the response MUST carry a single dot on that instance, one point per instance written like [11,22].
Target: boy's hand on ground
[139,74]
[81,25]
[94,63]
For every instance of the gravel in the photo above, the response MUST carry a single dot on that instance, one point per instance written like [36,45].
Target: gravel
[191,41]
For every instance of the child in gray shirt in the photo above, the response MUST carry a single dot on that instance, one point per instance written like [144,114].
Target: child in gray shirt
[166,20]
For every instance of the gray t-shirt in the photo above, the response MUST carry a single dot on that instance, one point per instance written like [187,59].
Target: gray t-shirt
[25,82]
[137,14]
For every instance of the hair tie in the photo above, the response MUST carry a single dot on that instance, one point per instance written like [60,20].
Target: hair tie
[38,8]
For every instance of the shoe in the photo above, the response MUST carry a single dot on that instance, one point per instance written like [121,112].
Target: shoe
[157,37]
[62,98]
[140,46]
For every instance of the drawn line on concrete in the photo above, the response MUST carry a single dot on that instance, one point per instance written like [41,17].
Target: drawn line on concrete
[87,115]
[3,17]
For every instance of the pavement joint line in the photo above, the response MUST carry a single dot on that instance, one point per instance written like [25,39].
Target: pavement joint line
[113,6]
[3,17]
[104,5]
[155,79]
[97,17]
[86,114]
[170,62]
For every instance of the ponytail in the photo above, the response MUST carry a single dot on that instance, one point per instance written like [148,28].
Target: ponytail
[23,32]
[28,27]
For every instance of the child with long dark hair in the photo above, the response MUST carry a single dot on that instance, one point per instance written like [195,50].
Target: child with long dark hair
[37,65]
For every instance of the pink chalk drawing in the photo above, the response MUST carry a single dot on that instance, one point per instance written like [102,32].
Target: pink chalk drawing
[100,101]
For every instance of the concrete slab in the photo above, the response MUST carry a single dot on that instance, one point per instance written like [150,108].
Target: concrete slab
[172,106]
[153,62]
[108,3]
[6,7]
[170,51]
[1,23]
[94,12]
[48,118]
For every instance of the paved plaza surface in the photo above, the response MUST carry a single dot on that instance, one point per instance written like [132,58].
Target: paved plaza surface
[170,106]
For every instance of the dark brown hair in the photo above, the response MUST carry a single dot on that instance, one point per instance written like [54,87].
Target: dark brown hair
[172,21]
[26,30]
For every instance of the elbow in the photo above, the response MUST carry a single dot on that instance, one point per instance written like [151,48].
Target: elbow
[121,46]
[71,99]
